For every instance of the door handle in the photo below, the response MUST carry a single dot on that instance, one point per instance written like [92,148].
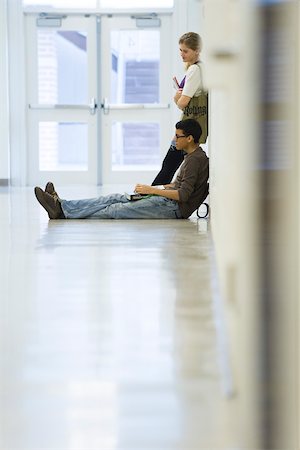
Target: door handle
[93,106]
[105,106]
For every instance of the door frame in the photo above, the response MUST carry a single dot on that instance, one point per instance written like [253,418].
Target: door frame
[99,175]
[76,113]
[145,112]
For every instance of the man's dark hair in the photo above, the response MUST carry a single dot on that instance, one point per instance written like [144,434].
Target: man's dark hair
[190,127]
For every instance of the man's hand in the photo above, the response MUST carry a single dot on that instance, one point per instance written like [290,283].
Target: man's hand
[152,190]
[143,189]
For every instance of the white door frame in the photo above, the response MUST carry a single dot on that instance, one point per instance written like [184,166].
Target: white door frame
[100,144]
[67,113]
[158,112]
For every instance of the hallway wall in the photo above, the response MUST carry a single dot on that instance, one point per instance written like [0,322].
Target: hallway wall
[280,228]
[254,198]
[232,76]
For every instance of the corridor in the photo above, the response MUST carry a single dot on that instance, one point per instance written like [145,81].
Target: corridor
[111,338]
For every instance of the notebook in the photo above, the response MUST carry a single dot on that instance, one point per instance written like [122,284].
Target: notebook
[135,196]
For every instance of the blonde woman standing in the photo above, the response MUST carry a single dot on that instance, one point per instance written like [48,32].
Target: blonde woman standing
[190,45]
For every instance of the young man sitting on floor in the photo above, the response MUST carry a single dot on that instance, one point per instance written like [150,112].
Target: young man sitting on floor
[177,201]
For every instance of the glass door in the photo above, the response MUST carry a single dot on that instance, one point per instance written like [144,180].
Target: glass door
[62,93]
[137,91]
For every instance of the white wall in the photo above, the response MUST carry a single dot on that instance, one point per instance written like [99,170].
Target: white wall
[232,78]
[195,15]
[281,229]
[4,111]
[17,95]
[255,209]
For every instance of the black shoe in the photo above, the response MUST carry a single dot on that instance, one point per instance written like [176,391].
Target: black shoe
[50,189]
[51,204]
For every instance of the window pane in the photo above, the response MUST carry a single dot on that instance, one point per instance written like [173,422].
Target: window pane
[111,4]
[62,67]
[135,56]
[136,146]
[63,146]
[121,4]
[62,3]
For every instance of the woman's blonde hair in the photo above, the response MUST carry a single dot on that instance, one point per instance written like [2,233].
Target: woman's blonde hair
[191,40]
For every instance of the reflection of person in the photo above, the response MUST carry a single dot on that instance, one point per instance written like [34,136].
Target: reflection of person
[190,45]
[177,200]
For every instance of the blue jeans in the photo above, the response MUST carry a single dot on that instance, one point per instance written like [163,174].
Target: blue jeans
[116,206]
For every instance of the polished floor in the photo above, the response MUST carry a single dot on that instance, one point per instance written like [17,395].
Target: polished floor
[110,338]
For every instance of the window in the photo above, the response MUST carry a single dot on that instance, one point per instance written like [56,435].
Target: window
[62,66]
[63,146]
[135,66]
[119,4]
[59,4]
[100,4]
[135,146]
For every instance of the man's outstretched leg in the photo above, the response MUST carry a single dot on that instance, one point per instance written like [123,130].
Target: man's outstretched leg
[74,209]
[113,206]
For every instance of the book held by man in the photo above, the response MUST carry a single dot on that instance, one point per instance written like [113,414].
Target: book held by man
[136,196]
